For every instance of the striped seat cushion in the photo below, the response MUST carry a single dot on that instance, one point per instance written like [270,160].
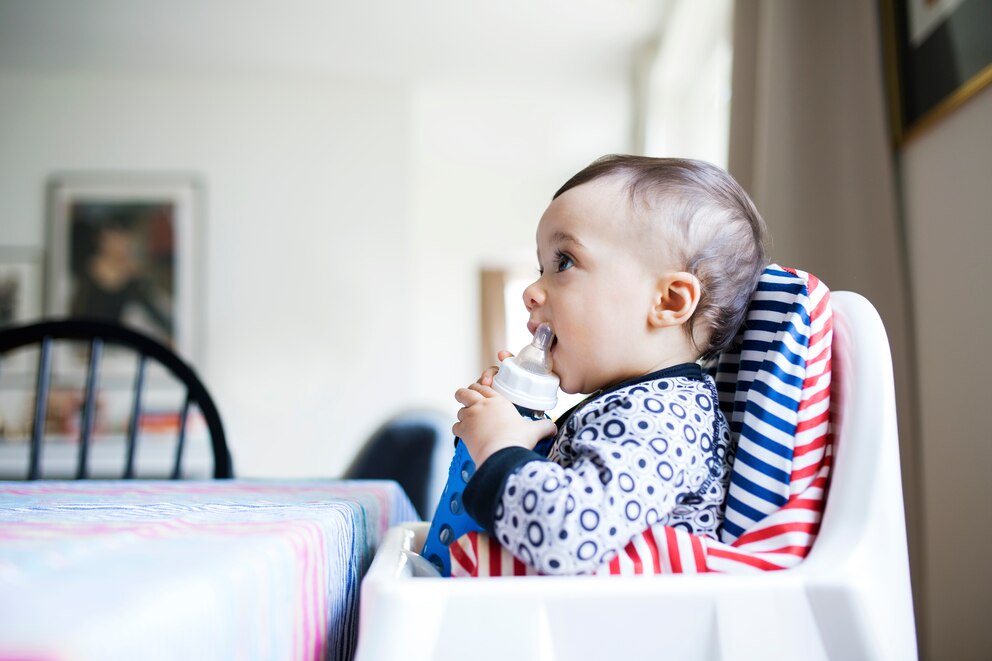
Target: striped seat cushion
[775,391]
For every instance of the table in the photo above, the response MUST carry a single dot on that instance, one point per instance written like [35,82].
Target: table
[225,569]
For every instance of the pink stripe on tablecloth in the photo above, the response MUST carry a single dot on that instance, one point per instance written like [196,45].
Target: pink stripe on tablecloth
[62,515]
[306,538]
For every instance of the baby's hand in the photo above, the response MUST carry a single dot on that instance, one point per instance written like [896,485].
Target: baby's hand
[488,422]
[490,372]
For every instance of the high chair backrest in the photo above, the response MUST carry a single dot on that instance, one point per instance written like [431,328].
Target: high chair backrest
[775,391]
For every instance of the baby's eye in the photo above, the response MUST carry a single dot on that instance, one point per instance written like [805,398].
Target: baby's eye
[563,261]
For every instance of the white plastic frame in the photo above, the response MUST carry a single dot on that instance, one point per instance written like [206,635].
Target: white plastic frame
[850,599]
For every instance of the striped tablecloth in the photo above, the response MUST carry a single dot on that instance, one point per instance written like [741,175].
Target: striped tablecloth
[226,569]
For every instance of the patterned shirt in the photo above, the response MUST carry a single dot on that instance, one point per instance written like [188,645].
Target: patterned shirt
[655,449]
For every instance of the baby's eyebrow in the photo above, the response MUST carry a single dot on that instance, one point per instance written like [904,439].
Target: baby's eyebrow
[564,237]
[559,238]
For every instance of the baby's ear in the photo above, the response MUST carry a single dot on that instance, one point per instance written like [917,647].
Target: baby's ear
[675,299]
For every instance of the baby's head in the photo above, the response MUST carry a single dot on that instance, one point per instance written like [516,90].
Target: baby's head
[645,262]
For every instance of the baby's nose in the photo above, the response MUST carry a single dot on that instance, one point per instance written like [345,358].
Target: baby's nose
[533,296]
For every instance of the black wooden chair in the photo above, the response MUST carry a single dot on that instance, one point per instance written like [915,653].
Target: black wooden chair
[98,334]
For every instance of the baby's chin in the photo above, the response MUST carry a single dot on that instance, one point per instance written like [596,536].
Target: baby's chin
[577,382]
[565,385]
[570,388]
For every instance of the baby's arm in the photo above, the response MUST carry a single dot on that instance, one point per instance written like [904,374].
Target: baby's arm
[624,473]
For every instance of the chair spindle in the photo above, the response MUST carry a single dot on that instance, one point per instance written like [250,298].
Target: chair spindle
[132,428]
[89,406]
[181,440]
[40,406]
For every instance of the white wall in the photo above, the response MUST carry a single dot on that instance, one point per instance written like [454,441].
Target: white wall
[307,226]
[488,158]
[345,223]
[948,211]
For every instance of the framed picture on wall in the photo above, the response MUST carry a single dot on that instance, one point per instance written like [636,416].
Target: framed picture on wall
[124,247]
[939,55]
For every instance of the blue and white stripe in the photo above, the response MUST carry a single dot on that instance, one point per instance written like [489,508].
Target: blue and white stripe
[760,388]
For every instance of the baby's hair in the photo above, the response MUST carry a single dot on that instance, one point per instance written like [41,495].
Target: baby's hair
[722,235]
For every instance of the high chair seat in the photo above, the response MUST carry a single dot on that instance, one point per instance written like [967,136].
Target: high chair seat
[849,598]
[775,392]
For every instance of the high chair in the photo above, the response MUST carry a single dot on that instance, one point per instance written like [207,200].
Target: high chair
[849,598]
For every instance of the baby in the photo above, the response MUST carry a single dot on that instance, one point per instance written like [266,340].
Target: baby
[646,267]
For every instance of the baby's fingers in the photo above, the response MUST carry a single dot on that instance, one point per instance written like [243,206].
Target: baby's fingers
[487,376]
[485,391]
[467,397]
[490,372]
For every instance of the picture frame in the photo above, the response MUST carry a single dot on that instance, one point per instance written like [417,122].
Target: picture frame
[125,247]
[938,55]
[21,284]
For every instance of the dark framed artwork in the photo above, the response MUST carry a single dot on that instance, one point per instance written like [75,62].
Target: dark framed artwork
[939,55]
[125,247]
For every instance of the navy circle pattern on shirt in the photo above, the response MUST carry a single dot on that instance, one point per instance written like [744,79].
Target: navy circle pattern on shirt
[634,457]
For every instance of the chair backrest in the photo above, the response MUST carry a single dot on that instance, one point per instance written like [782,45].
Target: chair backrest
[414,448]
[862,543]
[775,392]
[98,334]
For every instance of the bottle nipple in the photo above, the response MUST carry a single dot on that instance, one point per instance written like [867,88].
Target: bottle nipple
[536,356]
[527,379]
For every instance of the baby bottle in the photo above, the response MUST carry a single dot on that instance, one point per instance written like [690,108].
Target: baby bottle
[528,382]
